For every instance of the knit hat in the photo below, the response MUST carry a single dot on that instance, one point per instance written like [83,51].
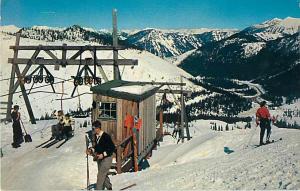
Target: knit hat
[263,103]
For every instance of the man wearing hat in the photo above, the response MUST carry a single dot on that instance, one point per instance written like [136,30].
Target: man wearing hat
[263,119]
[102,150]
[17,130]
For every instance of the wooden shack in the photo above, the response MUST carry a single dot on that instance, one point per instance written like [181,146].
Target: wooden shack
[114,100]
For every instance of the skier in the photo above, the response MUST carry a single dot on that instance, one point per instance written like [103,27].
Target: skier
[57,128]
[17,130]
[102,150]
[263,119]
[67,126]
[175,130]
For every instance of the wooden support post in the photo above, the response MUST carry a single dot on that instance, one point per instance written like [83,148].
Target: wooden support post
[100,69]
[12,80]
[119,160]
[116,70]
[182,114]
[186,123]
[56,66]
[61,100]
[64,56]
[161,121]
[135,151]
[25,96]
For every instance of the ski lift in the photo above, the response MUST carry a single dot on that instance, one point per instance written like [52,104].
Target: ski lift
[88,78]
[39,77]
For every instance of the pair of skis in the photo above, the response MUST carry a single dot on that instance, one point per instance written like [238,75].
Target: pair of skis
[272,141]
[51,142]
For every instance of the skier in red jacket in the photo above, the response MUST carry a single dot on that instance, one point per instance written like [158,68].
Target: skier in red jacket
[263,119]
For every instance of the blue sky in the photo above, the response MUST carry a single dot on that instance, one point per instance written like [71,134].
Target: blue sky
[137,14]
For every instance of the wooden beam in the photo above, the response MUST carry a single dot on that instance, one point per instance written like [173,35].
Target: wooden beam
[56,67]
[100,69]
[174,91]
[51,54]
[25,96]
[161,83]
[182,114]
[64,56]
[161,121]
[119,160]
[12,80]
[89,62]
[76,54]
[16,85]
[116,70]
[186,123]
[135,151]
[84,48]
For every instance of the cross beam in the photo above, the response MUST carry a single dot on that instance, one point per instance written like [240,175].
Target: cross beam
[65,47]
[161,83]
[174,91]
[90,62]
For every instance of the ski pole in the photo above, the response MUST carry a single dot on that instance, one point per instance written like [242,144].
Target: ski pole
[87,163]
[23,126]
[88,172]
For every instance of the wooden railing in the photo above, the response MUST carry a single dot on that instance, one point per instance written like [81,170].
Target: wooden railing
[127,155]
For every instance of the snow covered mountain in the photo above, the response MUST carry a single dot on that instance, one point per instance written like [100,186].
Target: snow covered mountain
[255,53]
[170,43]
[275,28]
[163,43]
[73,33]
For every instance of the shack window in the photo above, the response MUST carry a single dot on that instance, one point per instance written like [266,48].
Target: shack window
[107,110]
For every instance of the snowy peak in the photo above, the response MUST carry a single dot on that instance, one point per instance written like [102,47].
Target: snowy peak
[270,22]
[275,28]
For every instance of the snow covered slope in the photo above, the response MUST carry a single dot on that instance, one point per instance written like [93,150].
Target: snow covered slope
[200,163]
